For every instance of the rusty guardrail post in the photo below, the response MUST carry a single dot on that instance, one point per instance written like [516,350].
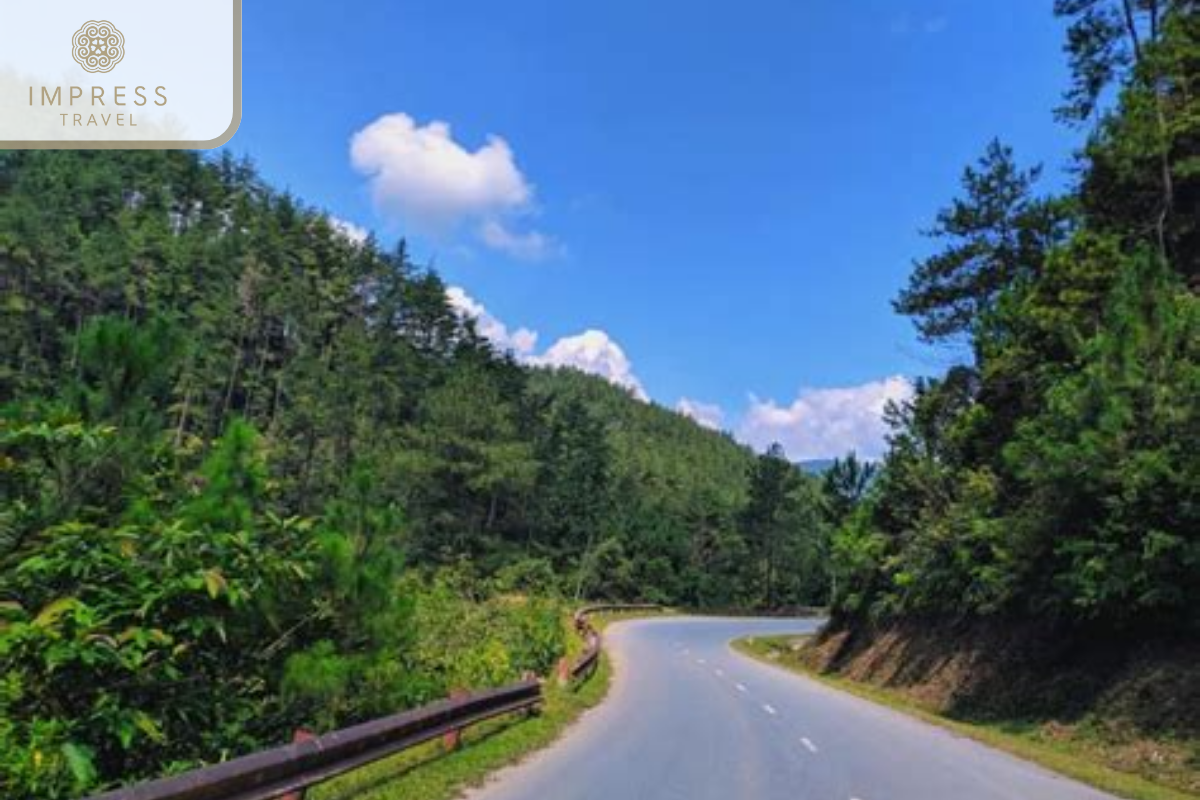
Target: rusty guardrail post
[563,671]
[452,739]
[299,735]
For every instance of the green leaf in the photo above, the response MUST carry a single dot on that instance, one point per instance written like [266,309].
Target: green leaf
[81,763]
[50,615]
[215,582]
[148,726]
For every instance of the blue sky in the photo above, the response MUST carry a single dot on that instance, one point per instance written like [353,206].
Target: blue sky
[725,194]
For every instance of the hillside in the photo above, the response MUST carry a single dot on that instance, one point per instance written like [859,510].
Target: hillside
[677,492]
[239,448]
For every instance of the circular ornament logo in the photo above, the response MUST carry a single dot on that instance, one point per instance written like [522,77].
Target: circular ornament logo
[98,46]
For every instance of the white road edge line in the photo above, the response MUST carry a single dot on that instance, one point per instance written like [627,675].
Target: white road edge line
[812,748]
[769,709]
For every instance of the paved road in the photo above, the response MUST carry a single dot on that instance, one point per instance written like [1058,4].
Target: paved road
[688,718]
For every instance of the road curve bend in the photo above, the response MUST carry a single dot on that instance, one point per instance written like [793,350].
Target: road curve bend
[690,719]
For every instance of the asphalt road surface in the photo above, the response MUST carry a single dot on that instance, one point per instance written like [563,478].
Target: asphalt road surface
[689,718]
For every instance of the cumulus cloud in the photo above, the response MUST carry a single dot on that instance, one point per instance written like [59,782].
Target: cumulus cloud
[520,342]
[825,423]
[356,234]
[592,351]
[432,180]
[595,352]
[422,176]
[709,415]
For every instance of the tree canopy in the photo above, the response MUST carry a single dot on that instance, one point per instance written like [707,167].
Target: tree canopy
[1057,475]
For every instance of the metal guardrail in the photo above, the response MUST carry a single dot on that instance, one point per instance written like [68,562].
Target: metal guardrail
[276,772]
[587,660]
[292,768]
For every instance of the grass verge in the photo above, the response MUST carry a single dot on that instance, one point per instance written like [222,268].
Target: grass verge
[1070,758]
[431,773]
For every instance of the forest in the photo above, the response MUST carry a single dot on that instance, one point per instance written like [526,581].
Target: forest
[1053,472]
[240,449]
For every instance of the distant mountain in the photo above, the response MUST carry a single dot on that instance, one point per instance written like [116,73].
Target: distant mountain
[815,466]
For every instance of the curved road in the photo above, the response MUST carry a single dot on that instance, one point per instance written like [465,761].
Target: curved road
[689,718]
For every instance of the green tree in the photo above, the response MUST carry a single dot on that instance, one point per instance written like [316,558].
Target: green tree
[997,234]
[845,484]
[1108,472]
[764,519]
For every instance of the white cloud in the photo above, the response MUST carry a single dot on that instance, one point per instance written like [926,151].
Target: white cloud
[432,180]
[426,179]
[531,246]
[521,342]
[594,352]
[709,415]
[825,423]
[819,423]
[356,234]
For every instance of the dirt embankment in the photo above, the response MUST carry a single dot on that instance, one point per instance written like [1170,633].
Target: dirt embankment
[1132,700]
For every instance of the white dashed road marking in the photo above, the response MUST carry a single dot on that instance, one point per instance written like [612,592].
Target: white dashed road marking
[812,748]
[769,709]
[741,687]
[720,673]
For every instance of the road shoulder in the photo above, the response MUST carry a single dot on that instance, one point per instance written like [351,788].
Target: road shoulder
[777,652]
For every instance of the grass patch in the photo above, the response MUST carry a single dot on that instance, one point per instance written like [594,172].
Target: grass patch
[1076,757]
[431,773]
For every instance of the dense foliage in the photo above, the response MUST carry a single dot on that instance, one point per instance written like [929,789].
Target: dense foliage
[257,475]
[1057,472]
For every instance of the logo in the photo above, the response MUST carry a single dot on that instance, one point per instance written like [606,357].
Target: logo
[98,46]
[187,95]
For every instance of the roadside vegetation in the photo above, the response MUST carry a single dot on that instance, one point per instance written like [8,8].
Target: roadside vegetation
[1054,472]
[431,773]
[1027,558]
